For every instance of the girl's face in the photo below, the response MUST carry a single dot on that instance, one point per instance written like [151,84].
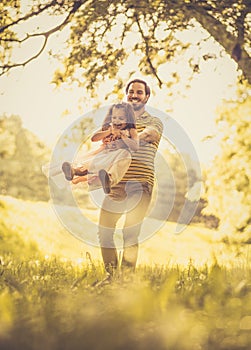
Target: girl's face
[119,119]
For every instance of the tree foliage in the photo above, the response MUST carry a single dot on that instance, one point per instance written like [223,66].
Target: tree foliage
[175,179]
[104,34]
[21,158]
[228,184]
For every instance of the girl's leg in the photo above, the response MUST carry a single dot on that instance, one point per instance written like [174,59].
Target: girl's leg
[114,174]
[96,151]
[70,171]
[81,171]
[78,179]
[119,166]
[89,158]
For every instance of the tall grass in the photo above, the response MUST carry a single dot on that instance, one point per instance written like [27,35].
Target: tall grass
[52,304]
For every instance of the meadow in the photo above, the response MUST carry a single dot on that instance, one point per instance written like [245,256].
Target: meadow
[189,292]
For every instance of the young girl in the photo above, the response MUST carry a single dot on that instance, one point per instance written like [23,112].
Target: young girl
[107,165]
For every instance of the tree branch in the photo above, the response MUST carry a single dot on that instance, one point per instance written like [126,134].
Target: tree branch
[154,71]
[6,68]
[46,35]
[28,16]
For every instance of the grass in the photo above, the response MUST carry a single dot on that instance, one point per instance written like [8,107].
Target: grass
[189,291]
[50,304]
[36,223]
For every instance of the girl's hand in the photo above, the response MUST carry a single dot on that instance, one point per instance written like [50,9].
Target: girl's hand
[116,132]
[123,134]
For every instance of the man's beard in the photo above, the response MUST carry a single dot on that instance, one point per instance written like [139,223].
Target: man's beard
[137,106]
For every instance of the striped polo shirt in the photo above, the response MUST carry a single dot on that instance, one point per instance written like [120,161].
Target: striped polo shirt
[142,165]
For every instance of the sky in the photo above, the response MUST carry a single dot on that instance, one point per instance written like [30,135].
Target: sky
[47,111]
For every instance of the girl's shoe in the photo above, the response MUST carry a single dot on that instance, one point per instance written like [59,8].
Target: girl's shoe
[105,180]
[68,171]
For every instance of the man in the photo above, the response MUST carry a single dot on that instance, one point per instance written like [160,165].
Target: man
[132,195]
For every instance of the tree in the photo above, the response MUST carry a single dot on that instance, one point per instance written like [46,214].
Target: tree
[21,158]
[228,182]
[104,33]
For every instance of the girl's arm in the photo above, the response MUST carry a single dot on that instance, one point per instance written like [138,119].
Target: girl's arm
[133,141]
[100,134]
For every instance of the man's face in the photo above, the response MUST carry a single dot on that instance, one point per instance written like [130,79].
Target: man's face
[136,95]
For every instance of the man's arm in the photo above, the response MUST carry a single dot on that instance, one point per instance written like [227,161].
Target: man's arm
[152,132]
[149,135]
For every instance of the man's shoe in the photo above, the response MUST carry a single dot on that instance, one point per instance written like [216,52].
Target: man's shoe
[105,180]
[107,280]
[68,171]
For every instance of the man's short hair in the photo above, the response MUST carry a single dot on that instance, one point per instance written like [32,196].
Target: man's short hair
[147,88]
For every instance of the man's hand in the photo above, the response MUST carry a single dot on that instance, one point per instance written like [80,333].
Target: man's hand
[149,135]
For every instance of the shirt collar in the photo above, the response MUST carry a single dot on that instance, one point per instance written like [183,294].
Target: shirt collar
[144,115]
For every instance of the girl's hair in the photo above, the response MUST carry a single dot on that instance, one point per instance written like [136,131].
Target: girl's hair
[129,112]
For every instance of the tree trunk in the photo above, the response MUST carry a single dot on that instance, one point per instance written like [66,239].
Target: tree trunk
[226,40]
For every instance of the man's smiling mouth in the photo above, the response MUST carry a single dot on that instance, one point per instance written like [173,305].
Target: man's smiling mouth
[135,100]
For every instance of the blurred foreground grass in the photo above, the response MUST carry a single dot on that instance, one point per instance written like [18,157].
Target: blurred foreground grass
[50,304]
[189,291]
